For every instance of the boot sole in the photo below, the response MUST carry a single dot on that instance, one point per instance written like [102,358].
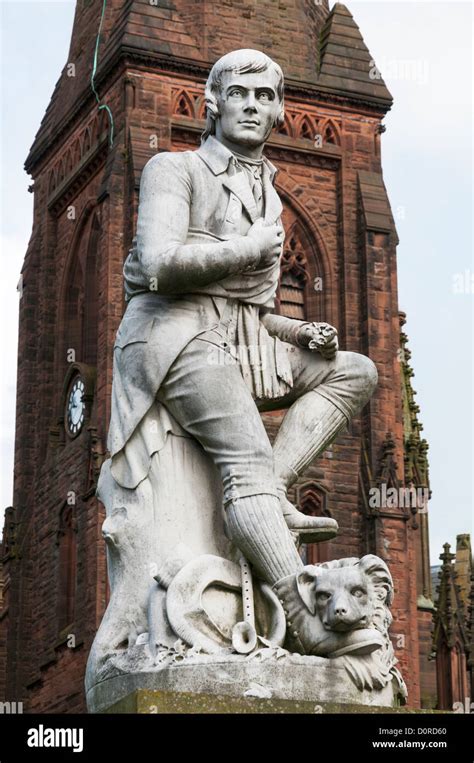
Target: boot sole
[314,535]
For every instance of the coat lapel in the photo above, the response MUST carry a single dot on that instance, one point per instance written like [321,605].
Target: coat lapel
[217,157]
[239,185]
[273,205]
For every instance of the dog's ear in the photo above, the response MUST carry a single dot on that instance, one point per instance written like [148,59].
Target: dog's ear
[380,575]
[305,581]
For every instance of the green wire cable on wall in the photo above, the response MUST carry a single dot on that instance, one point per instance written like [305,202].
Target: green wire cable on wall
[94,70]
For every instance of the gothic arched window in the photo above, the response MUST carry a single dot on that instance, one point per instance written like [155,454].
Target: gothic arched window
[294,276]
[184,105]
[91,292]
[312,501]
[306,131]
[67,577]
[330,134]
[304,289]
[80,306]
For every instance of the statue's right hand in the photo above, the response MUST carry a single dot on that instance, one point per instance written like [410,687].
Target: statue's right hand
[269,239]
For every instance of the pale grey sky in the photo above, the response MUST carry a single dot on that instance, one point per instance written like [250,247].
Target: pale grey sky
[424,51]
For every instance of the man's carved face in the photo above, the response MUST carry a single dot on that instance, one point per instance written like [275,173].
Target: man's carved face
[248,107]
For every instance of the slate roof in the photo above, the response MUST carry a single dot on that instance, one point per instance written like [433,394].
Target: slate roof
[345,61]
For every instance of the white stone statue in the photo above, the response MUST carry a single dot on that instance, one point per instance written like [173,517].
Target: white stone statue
[202,540]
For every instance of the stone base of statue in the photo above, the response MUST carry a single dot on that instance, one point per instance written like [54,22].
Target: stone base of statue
[185,615]
[290,681]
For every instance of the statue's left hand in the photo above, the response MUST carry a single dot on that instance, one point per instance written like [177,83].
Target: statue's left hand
[319,337]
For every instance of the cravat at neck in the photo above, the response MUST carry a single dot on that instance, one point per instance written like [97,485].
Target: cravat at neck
[246,160]
[253,170]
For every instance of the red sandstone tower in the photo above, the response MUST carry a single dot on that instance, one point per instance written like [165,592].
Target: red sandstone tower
[339,265]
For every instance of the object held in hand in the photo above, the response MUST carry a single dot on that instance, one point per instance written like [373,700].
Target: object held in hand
[324,334]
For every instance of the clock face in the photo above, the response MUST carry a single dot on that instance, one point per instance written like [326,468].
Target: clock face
[76,407]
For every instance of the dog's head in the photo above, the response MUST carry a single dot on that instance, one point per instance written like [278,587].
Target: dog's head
[347,594]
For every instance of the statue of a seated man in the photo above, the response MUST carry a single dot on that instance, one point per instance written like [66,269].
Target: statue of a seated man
[200,282]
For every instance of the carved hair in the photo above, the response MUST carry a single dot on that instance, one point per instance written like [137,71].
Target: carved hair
[244,61]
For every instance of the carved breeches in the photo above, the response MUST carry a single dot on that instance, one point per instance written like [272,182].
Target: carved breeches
[205,392]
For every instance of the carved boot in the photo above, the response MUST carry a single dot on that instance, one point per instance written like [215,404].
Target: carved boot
[306,633]
[309,529]
[309,426]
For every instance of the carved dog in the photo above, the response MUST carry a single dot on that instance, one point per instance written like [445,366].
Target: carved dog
[338,607]
[348,595]
[331,609]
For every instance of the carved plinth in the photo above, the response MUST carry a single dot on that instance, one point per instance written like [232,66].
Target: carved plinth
[205,683]
[177,595]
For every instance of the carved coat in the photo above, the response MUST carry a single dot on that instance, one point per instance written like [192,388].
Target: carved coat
[177,282]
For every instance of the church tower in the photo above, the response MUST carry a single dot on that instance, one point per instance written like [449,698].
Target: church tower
[339,265]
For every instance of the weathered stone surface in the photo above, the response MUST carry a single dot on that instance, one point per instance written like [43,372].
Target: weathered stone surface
[198,355]
[295,679]
[322,209]
[144,701]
